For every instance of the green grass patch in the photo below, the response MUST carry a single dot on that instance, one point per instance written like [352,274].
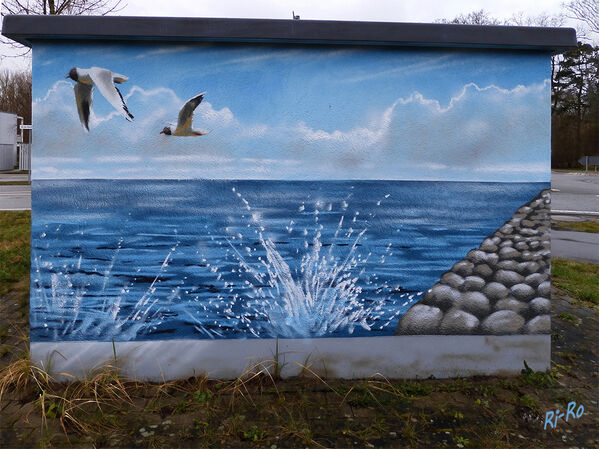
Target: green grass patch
[14,250]
[580,280]
[538,379]
[14,183]
[565,316]
[581,226]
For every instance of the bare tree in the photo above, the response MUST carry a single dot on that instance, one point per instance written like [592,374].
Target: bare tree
[586,11]
[56,7]
[480,17]
[541,20]
[15,94]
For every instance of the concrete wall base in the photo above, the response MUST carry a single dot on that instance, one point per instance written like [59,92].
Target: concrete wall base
[405,356]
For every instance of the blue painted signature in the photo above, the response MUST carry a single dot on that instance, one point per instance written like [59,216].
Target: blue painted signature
[550,415]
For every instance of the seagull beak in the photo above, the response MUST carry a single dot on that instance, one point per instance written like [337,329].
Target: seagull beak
[161,132]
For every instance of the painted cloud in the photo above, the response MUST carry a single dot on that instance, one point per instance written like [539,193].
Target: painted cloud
[482,132]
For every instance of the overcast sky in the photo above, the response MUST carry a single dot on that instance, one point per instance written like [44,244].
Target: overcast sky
[376,10]
[362,10]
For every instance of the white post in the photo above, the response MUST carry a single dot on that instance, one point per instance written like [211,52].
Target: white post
[586,165]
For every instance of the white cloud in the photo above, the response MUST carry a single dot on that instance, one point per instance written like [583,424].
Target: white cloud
[435,63]
[54,160]
[481,130]
[518,168]
[118,159]
[184,158]
[164,50]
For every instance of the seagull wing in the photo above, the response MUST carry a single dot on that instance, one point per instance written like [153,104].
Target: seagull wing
[118,78]
[186,112]
[103,79]
[83,98]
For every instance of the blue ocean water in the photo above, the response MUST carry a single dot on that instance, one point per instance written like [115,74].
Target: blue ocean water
[161,259]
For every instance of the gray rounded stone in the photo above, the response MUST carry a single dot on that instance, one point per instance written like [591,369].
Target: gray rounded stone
[529,231]
[488,245]
[535,279]
[540,306]
[521,246]
[534,244]
[503,322]
[495,291]
[544,289]
[420,319]
[492,259]
[526,255]
[473,283]
[496,240]
[508,278]
[475,303]
[510,265]
[522,292]
[458,322]
[526,268]
[483,270]
[452,279]
[442,296]
[477,256]
[508,253]
[463,268]
[506,229]
[512,304]
[506,243]
[528,223]
[539,325]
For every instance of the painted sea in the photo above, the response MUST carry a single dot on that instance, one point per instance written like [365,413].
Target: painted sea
[146,259]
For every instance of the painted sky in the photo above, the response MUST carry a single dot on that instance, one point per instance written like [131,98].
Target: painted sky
[294,112]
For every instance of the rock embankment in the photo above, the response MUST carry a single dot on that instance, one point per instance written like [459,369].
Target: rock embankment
[502,287]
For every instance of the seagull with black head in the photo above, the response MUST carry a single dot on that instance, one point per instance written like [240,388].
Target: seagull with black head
[184,123]
[104,80]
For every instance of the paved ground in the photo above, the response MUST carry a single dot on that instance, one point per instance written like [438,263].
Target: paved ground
[15,197]
[577,193]
[582,246]
[574,192]
[7,177]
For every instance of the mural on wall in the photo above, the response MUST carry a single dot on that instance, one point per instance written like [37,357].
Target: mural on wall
[335,192]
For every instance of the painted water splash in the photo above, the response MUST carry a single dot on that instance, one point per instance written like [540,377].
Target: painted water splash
[66,301]
[322,296]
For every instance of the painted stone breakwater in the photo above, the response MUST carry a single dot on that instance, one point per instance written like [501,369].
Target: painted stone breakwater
[503,287]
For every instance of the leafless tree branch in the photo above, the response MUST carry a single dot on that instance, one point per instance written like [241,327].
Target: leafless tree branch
[53,7]
[585,11]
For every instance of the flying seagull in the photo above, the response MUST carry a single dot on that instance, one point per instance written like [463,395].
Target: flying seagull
[184,128]
[104,80]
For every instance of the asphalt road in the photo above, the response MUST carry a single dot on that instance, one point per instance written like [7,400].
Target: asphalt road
[15,197]
[572,245]
[7,177]
[575,197]
[574,192]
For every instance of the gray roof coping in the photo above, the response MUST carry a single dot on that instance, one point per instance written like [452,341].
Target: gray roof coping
[26,29]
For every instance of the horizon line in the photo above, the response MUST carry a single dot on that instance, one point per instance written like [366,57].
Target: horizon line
[291,180]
